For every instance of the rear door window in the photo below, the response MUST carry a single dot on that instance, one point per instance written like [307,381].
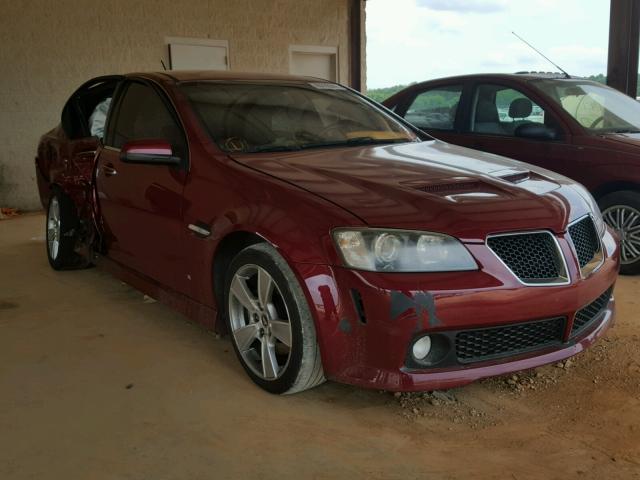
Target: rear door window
[435,109]
[500,110]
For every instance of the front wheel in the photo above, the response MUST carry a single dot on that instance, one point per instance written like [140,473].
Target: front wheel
[272,329]
[621,211]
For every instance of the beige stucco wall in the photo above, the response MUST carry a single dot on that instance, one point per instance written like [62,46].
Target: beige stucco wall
[48,48]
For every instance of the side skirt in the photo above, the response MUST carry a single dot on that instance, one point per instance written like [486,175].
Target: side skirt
[195,311]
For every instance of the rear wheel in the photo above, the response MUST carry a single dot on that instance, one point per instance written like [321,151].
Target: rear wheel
[270,323]
[62,221]
[621,211]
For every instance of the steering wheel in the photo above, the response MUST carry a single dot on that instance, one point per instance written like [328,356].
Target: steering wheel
[596,121]
[337,127]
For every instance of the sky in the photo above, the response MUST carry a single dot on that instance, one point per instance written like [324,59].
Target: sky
[416,40]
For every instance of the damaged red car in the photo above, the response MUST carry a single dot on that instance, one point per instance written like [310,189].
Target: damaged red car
[329,238]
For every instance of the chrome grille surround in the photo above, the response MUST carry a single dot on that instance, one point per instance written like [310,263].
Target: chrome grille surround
[516,258]
[586,244]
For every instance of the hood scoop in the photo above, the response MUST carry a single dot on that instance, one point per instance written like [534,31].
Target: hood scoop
[516,177]
[445,186]
[458,189]
[448,188]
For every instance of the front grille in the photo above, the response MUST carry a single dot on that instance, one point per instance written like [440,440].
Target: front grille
[585,240]
[585,316]
[495,342]
[532,257]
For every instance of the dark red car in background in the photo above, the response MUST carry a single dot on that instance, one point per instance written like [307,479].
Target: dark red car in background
[328,237]
[579,128]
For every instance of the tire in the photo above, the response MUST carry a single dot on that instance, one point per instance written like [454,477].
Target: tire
[259,331]
[60,226]
[621,211]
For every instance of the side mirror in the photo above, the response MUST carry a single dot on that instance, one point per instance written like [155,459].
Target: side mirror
[151,152]
[536,131]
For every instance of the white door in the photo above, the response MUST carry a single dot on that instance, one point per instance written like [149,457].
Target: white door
[309,63]
[198,54]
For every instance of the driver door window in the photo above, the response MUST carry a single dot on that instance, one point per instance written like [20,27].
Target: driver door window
[435,109]
[500,110]
[144,115]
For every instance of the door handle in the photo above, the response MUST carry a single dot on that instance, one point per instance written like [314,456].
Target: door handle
[109,170]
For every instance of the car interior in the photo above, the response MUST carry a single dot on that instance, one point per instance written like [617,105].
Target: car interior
[498,110]
[86,109]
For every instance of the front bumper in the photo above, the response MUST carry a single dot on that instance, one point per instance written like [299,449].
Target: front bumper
[366,321]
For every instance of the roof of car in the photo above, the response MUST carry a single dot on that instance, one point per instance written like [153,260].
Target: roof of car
[512,76]
[213,75]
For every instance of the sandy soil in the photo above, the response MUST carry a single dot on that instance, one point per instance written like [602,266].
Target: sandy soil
[98,383]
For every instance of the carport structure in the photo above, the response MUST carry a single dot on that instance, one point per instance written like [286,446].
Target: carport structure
[97,381]
[624,36]
[48,52]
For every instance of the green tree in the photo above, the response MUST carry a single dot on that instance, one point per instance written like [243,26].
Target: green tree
[380,94]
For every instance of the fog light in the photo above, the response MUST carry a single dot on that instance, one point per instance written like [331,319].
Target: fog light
[422,347]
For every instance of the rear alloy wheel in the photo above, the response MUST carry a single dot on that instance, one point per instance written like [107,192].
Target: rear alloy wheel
[270,323]
[621,211]
[60,228]
[53,228]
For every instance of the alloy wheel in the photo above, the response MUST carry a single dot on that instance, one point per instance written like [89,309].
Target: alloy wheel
[53,228]
[625,220]
[260,322]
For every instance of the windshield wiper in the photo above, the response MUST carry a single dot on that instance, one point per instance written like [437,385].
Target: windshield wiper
[624,130]
[356,141]
[273,148]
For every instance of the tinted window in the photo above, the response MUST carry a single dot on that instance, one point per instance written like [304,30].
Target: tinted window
[244,117]
[500,110]
[143,115]
[435,109]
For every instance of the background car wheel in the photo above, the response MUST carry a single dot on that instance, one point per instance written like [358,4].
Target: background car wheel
[269,320]
[621,211]
[61,223]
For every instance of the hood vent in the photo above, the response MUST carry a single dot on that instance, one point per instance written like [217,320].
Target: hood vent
[516,177]
[444,188]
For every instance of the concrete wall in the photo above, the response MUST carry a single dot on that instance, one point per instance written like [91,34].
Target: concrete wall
[48,48]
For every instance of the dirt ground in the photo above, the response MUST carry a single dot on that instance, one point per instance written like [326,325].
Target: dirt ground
[98,383]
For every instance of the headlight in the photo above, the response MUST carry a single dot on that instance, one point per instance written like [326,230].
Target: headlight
[402,251]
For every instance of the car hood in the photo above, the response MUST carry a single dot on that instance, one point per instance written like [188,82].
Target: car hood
[630,139]
[431,186]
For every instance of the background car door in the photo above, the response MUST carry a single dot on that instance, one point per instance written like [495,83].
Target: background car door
[497,119]
[435,110]
[141,205]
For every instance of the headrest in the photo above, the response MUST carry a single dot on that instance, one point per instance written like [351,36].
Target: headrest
[520,108]
[486,112]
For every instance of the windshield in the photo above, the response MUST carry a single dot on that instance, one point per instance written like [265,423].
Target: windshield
[262,117]
[598,108]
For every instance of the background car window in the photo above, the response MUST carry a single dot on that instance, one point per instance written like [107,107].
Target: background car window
[594,106]
[143,115]
[499,110]
[435,109]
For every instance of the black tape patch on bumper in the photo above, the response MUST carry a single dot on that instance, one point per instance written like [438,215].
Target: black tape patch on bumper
[420,303]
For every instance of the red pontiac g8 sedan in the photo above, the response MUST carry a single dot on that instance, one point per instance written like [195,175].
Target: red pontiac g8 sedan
[329,237]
